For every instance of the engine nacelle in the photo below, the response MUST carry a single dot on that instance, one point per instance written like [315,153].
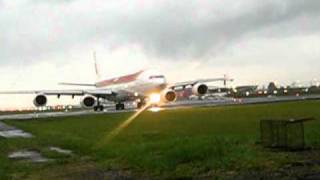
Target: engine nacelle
[40,100]
[88,101]
[199,89]
[168,96]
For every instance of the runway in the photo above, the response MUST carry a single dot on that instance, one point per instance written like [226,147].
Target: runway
[239,101]
[37,115]
[175,105]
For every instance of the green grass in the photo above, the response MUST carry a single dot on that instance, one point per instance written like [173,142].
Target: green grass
[177,143]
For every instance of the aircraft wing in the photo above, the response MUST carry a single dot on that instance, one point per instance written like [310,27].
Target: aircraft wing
[192,83]
[94,92]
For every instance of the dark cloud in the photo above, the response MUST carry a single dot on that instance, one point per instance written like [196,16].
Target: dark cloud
[172,30]
[174,33]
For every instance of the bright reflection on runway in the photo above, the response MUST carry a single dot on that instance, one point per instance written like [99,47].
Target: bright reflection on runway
[155,109]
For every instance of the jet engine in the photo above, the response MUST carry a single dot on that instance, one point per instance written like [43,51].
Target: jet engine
[199,89]
[88,101]
[168,96]
[40,100]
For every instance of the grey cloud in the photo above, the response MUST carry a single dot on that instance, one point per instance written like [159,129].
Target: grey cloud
[53,1]
[170,30]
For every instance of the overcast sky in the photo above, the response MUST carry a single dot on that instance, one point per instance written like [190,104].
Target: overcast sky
[43,42]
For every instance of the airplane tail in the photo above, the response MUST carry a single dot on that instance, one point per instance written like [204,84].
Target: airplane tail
[225,79]
[98,75]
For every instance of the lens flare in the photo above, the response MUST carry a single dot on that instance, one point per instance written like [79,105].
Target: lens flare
[153,99]
[122,126]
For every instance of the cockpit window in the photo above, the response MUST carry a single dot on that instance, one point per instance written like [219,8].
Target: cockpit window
[157,77]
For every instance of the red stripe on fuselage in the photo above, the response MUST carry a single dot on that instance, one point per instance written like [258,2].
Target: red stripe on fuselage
[119,80]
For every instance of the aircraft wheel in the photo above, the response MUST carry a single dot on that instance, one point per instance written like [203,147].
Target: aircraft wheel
[117,107]
[120,106]
[95,108]
[98,108]
[140,105]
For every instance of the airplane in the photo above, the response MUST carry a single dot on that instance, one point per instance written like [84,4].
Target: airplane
[142,86]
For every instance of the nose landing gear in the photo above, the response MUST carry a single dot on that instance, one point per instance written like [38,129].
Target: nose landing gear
[141,104]
[120,106]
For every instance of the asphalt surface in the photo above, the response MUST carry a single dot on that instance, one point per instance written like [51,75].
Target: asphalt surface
[175,105]
[241,101]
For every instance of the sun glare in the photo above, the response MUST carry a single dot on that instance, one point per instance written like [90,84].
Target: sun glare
[154,98]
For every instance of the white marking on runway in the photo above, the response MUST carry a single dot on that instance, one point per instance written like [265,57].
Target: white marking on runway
[7,131]
[32,156]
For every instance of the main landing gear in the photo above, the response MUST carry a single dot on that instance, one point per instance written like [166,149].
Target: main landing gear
[120,106]
[98,108]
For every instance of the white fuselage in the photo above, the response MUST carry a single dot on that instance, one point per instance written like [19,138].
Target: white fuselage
[140,84]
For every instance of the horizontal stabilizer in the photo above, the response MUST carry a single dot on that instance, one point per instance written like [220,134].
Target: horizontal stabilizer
[77,84]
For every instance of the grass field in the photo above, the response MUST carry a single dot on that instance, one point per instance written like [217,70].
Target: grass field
[183,143]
